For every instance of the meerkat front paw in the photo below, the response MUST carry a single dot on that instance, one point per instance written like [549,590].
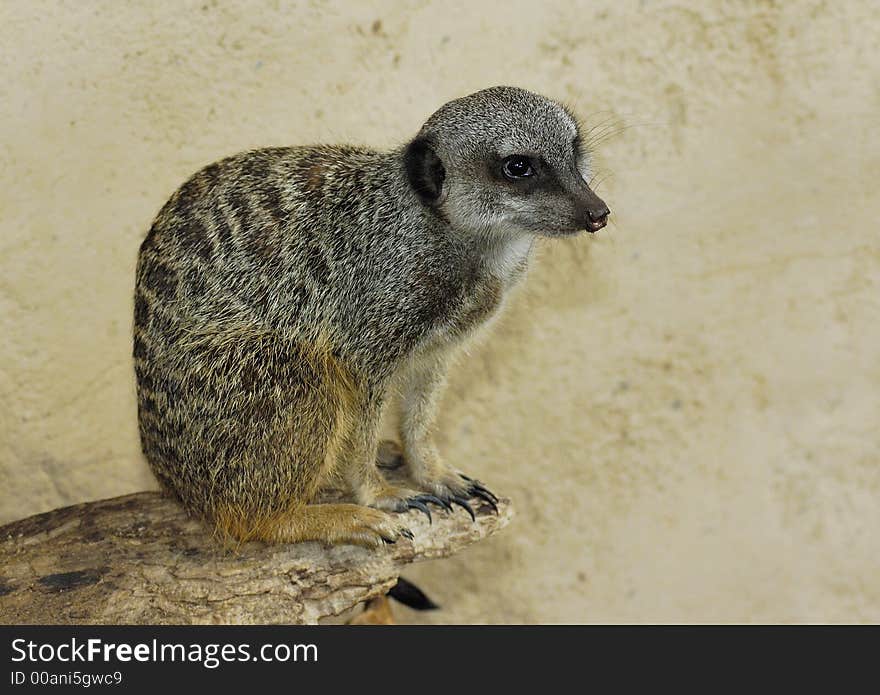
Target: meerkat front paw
[453,487]
[438,484]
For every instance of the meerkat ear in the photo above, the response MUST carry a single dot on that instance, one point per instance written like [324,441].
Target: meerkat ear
[424,170]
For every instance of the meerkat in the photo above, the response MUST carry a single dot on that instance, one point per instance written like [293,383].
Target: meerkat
[280,293]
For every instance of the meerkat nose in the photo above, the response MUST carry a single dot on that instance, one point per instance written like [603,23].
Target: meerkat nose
[597,217]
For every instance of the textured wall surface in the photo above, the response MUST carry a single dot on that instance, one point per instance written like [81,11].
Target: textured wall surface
[684,408]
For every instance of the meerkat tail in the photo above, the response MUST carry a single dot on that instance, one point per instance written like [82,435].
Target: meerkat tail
[410,595]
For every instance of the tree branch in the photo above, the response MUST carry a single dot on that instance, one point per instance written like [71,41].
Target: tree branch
[141,559]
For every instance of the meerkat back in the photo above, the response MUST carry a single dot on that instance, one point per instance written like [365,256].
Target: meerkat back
[242,406]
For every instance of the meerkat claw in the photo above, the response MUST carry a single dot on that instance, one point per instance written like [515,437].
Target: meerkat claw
[477,485]
[421,503]
[477,489]
[416,503]
[462,502]
[427,497]
[406,533]
[487,497]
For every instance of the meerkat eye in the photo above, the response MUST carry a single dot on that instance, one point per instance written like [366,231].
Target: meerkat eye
[517,167]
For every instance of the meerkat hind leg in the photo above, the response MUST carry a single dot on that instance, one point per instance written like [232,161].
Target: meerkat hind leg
[337,524]
[389,456]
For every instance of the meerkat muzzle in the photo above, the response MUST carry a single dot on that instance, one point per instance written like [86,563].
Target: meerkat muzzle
[595,221]
[594,209]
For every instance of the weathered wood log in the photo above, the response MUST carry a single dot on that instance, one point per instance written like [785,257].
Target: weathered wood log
[140,559]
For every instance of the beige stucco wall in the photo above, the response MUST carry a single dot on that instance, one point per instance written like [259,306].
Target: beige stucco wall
[684,408]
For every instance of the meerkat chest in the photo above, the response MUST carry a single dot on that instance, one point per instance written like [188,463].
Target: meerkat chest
[484,291]
[478,303]
[508,259]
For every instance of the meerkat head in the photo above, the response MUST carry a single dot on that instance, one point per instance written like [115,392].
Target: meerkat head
[505,160]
